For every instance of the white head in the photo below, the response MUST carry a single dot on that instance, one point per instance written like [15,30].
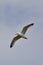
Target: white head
[16,33]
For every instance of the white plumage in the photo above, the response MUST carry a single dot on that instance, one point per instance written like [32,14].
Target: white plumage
[21,35]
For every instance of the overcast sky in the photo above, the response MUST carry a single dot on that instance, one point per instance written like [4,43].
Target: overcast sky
[14,14]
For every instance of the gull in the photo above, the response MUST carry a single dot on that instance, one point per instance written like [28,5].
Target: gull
[21,34]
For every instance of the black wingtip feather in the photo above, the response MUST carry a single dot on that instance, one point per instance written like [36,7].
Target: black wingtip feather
[10,46]
[32,24]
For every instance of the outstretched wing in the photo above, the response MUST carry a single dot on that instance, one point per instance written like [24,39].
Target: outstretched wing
[14,40]
[26,27]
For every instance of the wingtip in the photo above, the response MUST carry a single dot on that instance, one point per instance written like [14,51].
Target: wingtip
[32,24]
[10,46]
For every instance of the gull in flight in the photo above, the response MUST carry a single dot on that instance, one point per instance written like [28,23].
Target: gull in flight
[21,34]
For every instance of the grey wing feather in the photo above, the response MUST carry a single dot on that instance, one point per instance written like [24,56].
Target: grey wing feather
[26,27]
[14,40]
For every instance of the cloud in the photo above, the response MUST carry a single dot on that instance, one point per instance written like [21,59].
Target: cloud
[17,11]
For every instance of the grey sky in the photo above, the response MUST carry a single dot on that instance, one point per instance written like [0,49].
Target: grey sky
[14,14]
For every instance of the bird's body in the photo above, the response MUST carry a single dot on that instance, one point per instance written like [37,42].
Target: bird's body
[21,35]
